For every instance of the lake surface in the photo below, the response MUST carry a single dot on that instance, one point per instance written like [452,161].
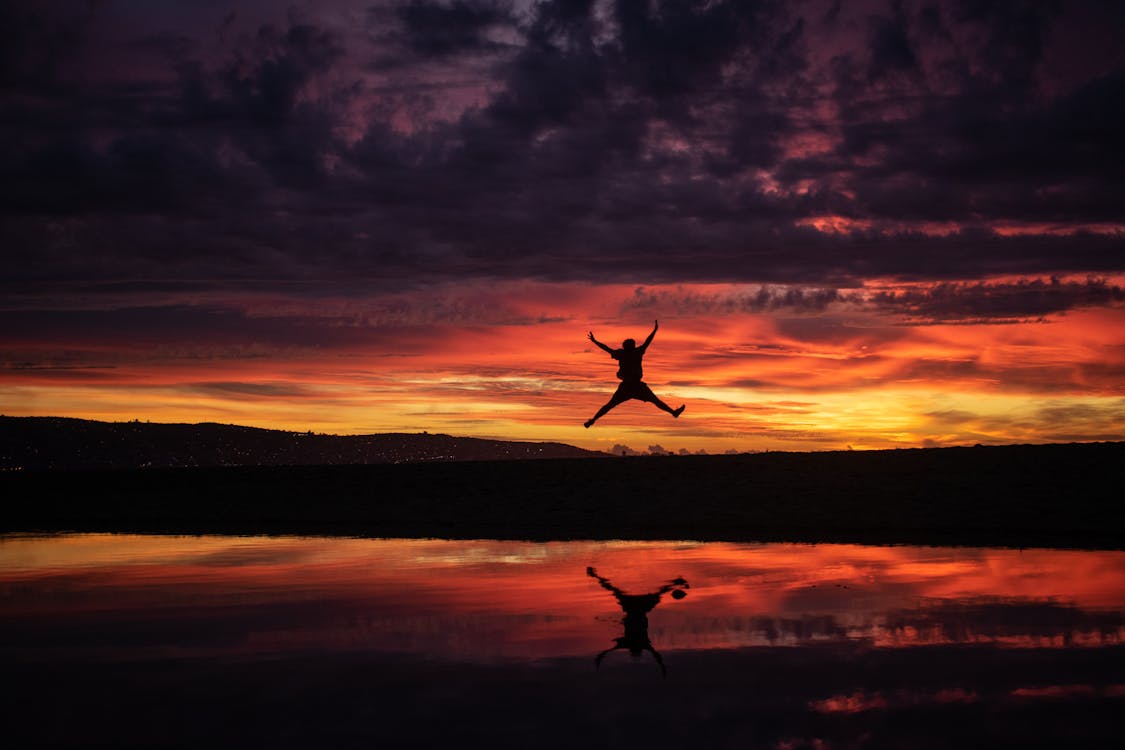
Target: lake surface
[291,642]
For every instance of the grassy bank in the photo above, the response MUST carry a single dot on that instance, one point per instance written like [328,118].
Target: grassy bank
[1051,495]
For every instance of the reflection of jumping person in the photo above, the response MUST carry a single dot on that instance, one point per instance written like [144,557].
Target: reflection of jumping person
[630,374]
[636,607]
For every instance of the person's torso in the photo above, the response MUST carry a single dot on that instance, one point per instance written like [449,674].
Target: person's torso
[630,364]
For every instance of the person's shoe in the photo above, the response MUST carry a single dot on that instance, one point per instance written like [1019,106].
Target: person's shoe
[590,422]
[677,412]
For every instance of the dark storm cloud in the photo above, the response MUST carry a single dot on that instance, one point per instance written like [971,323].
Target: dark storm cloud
[440,30]
[944,302]
[625,140]
[763,299]
[197,332]
[971,157]
[145,148]
[1023,299]
[38,47]
[891,49]
[973,136]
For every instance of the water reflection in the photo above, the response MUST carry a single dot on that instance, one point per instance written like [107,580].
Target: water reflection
[135,640]
[636,607]
[507,600]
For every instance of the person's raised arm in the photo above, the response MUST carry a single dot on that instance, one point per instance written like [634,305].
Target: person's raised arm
[590,335]
[604,582]
[672,585]
[655,326]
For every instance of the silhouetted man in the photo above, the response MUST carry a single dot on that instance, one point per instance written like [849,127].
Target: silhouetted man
[636,608]
[630,373]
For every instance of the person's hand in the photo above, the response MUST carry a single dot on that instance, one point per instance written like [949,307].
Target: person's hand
[655,324]
[591,572]
[590,335]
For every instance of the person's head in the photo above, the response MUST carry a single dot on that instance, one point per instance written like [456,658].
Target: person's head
[629,344]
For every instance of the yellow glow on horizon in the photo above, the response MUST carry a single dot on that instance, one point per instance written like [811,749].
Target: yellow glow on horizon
[779,379]
[717,420]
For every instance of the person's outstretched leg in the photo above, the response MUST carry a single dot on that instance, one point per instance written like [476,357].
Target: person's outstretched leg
[674,412]
[614,400]
[653,399]
[601,413]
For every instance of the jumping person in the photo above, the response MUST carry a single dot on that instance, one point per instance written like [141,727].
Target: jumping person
[630,373]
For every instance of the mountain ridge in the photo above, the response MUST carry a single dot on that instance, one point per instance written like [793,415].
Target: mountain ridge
[43,443]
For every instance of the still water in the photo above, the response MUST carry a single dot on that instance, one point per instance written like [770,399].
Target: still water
[291,642]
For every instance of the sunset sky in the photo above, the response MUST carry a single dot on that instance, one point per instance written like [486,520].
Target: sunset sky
[868,224]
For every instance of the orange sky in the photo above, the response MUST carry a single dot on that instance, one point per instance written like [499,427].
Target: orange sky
[881,366]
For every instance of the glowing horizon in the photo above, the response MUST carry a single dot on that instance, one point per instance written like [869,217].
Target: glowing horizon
[760,368]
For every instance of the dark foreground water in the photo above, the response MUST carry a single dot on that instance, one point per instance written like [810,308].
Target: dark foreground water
[153,641]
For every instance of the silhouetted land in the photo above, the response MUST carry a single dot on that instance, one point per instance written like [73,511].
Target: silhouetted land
[63,443]
[1046,495]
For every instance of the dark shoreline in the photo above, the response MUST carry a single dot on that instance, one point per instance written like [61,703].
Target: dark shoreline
[1063,496]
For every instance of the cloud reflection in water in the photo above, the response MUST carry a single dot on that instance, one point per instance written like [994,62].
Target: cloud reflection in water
[242,641]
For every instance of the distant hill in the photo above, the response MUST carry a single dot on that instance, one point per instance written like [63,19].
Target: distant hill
[63,443]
